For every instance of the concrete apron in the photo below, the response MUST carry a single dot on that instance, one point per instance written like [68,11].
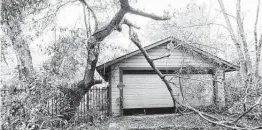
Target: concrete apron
[142,122]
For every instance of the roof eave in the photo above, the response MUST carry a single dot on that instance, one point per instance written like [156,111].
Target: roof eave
[106,66]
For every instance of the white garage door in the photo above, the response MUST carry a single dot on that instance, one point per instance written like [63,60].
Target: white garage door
[148,91]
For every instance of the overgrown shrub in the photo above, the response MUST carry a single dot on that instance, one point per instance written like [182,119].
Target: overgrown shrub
[37,103]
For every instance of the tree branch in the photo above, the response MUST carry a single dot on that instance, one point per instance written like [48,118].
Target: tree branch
[92,11]
[130,24]
[134,38]
[161,57]
[181,88]
[103,32]
[229,26]
[257,44]
[235,41]
[226,13]
[256,20]
[145,14]
[243,37]
[85,21]
[207,24]
[251,108]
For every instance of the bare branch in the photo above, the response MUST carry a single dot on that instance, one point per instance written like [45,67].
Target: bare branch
[145,14]
[201,80]
[251,108]
[92,11]
[161,57]
[236,42]
[257,44]
[130,24]
[181,88]
[134,38]
[242,36]
[85,21]
[226,14]
[207,24]
[255,27]
[229,26]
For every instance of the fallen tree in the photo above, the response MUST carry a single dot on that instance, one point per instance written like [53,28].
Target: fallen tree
[228,124]
[73,96]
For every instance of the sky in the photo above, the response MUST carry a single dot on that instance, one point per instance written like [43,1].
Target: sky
[72,16]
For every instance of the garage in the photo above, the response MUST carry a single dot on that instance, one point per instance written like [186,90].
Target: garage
[196,76]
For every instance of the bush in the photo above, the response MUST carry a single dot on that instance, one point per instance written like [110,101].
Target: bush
[25,103]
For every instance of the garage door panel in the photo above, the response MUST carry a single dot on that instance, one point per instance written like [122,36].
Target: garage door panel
[144,85]
[144,103]
[147,96]
[158,90]
[148,90]
[145,91]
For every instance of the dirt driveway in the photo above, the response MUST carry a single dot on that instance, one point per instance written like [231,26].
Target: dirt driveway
[164,122]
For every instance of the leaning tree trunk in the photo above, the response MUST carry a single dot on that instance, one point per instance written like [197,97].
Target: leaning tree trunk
[227,124]
[13,14]
[74,96]
[24,61]
[24,58]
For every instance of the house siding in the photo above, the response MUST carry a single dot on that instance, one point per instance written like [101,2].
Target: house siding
[176,59]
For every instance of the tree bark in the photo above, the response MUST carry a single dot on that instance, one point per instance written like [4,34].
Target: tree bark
[22,52]
[12,14]
[258,55]
[257,43]
[243,40]
[24,60]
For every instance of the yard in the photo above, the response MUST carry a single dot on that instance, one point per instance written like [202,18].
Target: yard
[164,122]
[130,65]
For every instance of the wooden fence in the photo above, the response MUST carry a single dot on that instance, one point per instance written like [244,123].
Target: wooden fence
[95,102]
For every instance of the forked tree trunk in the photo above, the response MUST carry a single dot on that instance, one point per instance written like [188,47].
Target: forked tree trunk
[74,96]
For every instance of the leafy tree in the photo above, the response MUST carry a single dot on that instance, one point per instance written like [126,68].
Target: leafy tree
[14,14]
[249,74]
[192,24]
[240,41]
[73,96]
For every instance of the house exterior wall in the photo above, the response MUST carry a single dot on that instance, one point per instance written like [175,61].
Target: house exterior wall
[176,59]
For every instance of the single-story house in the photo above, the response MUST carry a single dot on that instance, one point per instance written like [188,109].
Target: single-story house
[196,77]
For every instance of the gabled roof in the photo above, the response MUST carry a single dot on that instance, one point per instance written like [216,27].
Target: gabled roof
[231,67]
